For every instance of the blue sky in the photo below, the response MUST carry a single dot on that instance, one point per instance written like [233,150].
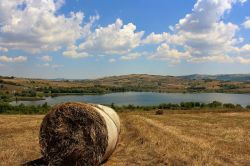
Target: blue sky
[93,38]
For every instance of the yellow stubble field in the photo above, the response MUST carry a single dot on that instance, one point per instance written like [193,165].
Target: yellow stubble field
[148,139]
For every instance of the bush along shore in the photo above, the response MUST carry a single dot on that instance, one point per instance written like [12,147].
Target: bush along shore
[6,108]
[215,106]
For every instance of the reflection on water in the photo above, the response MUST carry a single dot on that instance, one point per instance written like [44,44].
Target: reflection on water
[146,98]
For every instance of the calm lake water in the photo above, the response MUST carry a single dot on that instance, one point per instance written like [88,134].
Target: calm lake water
[146,98]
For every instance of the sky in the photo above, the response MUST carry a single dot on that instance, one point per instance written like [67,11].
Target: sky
[79,39]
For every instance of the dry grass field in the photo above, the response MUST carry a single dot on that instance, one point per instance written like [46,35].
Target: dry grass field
[148,139]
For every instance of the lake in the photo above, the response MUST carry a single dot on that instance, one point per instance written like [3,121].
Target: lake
[145,98]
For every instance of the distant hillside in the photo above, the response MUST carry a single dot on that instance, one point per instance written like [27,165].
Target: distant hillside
[141,82]
[221,77]
[138,79]
[12,87]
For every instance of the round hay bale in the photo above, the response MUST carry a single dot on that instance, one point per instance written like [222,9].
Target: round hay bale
[79,134]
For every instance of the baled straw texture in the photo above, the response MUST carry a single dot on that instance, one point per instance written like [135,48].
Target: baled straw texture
[113,126]
[73,134]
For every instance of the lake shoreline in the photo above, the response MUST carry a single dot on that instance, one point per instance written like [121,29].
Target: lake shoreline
[143,98]
[97,94]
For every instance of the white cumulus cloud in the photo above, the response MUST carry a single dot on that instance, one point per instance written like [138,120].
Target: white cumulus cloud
[8,59]
[53,66]
[164,52]
[2,49]
[131,56]
[35,25]
[202,35]
[47,58]
[73,53]
[115,38]
[155,38]
[246,24]
[243,60]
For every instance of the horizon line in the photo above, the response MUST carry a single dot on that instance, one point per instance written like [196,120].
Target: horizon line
[123,75]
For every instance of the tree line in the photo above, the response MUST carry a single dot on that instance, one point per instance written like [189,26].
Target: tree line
[6,108]
[183,106]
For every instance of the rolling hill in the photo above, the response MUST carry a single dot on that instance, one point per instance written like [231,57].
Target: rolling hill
[33,88]
[221,77]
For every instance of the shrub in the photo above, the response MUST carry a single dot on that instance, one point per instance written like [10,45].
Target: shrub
[112,105]
[159,112]
[22,109]
[228,105]
[238,106]
[215,104]
[187,105]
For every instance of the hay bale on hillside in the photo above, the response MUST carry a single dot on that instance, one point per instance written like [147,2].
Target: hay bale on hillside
[79,134]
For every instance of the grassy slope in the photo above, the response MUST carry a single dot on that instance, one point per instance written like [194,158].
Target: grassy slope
[222,77]
[139,82]
[147,139]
